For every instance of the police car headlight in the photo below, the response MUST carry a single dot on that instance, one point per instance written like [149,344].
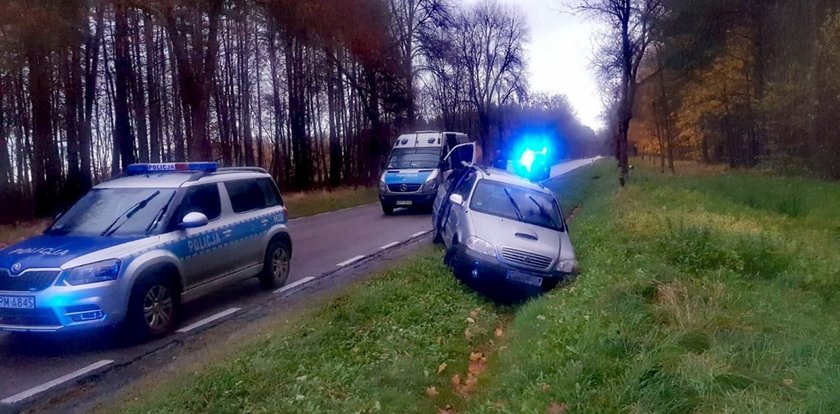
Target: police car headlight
[480,246]
[383,188]
[93,273]
[568,266]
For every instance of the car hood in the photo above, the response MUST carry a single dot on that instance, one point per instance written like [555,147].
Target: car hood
[407,176]
[54,251]
[504,232]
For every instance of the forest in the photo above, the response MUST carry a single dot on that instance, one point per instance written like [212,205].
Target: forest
[747,83]
[313,91]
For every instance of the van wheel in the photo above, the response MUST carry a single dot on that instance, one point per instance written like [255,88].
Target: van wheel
[277,265]
[153,309]
[387,209]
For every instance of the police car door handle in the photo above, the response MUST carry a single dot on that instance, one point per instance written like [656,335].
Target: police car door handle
[227,233]
[264,221]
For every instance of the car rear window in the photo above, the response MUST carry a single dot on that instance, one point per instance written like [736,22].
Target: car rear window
[248,195]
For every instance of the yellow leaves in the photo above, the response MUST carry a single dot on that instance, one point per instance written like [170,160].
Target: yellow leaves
[441,368]
[432,392]
[499,332]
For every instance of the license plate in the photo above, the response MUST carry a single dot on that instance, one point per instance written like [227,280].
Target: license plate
[525,278]
[17,302]
[404,202]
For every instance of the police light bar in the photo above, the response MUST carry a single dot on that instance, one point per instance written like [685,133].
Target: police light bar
[137,169]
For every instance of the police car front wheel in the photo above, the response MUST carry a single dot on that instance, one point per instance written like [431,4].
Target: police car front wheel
[277,265]
[153,309]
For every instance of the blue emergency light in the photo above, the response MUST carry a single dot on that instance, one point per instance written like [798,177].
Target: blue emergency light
[529,156]
[138,169]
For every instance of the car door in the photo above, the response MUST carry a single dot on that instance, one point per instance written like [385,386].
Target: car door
[253,201]
[455,214]
[201,263]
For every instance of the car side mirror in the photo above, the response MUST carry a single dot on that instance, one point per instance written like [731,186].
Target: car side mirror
[457,199]
[194,220]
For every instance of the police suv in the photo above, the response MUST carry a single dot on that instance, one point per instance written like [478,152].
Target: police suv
[134,248]
[414,169]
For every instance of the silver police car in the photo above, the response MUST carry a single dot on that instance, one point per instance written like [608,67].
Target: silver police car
[499,226]
[134,248]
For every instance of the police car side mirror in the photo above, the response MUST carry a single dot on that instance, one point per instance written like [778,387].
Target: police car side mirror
[457,199]
[193,220]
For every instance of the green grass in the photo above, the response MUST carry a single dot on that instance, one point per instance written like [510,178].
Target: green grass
[315,202]
[706,292]
[700,293]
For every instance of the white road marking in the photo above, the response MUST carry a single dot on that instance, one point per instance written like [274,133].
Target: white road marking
[419,233]
[294,284]
[350,261]
[209,319]
[56,382]
[389,245]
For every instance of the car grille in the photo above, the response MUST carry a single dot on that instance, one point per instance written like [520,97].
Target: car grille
[527,259]
[28,317]
[33,281]
[398,188]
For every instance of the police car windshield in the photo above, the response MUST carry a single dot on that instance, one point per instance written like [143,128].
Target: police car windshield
[516,203]
[100,208]
[404,158]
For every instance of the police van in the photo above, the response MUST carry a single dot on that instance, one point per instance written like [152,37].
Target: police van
[415,168]
[133,249]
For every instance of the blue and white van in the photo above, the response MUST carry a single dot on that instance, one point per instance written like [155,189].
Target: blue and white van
[415,168]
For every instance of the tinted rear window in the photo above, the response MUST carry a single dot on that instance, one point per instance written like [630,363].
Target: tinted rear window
[248,195]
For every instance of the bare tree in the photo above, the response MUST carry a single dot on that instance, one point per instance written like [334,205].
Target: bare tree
[631,25]
[489,41]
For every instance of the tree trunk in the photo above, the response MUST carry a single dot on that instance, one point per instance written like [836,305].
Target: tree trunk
[122,71]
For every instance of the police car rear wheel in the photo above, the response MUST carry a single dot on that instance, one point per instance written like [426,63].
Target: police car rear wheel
[277,266]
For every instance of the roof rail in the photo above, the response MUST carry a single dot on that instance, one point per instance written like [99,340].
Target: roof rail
[243,169]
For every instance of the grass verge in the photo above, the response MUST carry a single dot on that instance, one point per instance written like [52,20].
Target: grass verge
[321,201]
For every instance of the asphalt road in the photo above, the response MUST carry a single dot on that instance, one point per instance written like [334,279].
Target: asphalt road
[32,367]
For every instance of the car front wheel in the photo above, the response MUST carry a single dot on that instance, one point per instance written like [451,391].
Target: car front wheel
[277,265]
[153,307]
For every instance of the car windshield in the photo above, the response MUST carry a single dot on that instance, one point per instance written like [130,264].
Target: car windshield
[114,212]
[404,158]
[516,203]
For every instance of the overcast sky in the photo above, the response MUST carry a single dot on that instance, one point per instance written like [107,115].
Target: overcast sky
[560,52]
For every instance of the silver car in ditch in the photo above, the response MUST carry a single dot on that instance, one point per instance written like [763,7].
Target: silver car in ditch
[499,226]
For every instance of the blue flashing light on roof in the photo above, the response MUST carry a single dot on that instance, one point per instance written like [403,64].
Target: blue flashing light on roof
[529,156]
[138,169]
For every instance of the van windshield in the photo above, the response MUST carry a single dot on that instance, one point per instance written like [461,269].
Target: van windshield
[405,158]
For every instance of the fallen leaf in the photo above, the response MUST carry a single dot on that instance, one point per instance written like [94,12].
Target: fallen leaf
[572,290]
[469,384]
[499,332]
[500,404]
[442,367]
[474,313]
[541,317]
[545,387]
[456,382]
[476,367]
[470,320]
[475,356]
[787,381]
[555,408]
[432,392]
[447,410]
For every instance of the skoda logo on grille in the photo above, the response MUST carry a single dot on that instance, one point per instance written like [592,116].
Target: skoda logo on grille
[15,269]
[403,188]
